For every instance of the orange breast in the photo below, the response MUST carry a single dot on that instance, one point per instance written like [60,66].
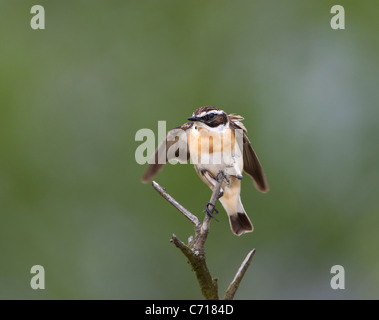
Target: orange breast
[204,140]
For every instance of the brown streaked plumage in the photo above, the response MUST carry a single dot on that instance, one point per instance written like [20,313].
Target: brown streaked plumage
[213,129]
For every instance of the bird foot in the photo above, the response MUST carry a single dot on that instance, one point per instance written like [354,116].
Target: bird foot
[221,175]
[210,211]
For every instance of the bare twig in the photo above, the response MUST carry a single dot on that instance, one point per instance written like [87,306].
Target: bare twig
[195,252]
[231,291]
[195,221]
[201,236]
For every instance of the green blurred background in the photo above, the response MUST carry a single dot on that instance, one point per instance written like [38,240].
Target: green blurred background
[73,96]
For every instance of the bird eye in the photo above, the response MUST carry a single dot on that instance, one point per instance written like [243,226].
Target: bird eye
[211,115]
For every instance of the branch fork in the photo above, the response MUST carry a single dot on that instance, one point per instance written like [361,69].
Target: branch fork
[194,250]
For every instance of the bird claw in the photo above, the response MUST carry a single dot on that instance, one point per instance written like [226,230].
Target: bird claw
[223,177]
[209,211]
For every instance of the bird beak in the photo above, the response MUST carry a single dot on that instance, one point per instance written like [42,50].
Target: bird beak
[193,119]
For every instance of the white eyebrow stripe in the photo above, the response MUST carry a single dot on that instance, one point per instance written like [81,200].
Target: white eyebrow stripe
[209,112]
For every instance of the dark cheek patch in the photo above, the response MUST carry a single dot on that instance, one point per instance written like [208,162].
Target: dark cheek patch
[213,124]
[217,120]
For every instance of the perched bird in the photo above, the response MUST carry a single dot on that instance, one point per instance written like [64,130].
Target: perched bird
[215,142]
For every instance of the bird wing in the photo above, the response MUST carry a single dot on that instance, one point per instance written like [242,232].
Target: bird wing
[251,164]
[173,147]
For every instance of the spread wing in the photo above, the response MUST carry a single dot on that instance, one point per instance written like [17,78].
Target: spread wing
[173,147]
[251,163]
[252,166]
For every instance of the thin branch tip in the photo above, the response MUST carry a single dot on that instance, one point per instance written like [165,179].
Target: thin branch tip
[162,191]
[232,289]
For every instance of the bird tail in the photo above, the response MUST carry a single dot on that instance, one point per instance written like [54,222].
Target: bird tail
[240,223]
[238,219]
